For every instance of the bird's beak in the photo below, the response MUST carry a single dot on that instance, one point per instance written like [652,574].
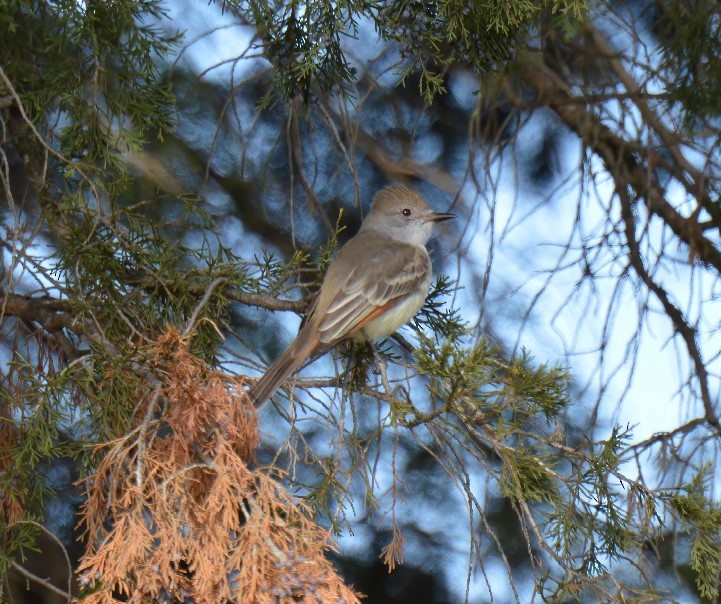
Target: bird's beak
[439,216]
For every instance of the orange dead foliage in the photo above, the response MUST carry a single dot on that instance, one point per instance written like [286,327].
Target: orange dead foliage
[175,508]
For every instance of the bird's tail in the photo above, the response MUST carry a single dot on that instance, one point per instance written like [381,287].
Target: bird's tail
[287,364]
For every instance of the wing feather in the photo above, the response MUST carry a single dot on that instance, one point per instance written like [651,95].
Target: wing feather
[379,281]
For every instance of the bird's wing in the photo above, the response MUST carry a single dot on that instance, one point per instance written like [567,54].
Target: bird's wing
[381,276]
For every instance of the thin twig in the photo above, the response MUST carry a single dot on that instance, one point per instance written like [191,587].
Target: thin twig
[40,581]
[201,305]
[35,578]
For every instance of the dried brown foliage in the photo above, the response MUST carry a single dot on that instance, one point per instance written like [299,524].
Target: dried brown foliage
[175,510]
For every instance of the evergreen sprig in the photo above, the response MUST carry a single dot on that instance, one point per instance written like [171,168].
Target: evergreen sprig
[702,518]
[304,44]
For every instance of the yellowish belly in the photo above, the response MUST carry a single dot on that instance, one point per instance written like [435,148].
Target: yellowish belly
[395,317]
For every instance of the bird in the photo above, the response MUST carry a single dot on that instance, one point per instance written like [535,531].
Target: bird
[377,282]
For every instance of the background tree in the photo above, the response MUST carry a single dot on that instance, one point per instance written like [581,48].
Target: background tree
[172,196]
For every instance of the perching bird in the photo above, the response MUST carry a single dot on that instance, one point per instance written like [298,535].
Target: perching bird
[377,282]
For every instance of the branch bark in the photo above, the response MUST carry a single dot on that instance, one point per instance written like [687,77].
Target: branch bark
[687,332]
[615,151]
[693,180]
[633,182]
[46,583]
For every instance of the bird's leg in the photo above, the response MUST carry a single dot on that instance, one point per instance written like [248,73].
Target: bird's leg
[381,365]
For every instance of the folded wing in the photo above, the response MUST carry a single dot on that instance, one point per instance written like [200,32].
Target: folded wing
[375,284]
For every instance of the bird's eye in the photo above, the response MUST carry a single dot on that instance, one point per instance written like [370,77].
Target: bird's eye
[406,212]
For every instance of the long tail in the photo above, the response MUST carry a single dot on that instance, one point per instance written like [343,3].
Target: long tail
[287,364]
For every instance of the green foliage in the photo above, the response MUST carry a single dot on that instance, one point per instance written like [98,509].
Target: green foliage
[690,38]
[594,516]
[95,71]
[463,374]
[435,36]
[16,540]
[133,281]
[540,388]
[444,321]
[702,518]
[525,476]
[272,273]
[479,35]
[43,416]
[502,397]
[327,252]
[303,42]
[480,377]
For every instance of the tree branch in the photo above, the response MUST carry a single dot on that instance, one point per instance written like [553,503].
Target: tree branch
[51,313]
[621,158]
[40,581]
[265,301]
[688,333]
[666,436]
[692,179]
[615,150]
[54,314]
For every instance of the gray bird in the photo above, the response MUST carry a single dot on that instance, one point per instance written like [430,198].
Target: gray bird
[377,283]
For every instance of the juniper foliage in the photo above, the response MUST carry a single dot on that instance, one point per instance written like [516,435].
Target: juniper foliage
[127,321]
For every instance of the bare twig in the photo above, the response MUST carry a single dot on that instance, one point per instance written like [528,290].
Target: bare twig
[201,305]
[688,333]
[615,150]
[666,436]
[35,578]
[40,581]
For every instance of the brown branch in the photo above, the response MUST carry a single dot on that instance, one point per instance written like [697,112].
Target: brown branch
[689,176]
[54,314]
[51,313]
[202,304]
[666,436]
[688,333]
[614,150]
[264,301]
[40,581]
[621,158]
[35,578]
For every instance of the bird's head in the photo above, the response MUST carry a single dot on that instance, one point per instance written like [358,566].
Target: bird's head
[402,214]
